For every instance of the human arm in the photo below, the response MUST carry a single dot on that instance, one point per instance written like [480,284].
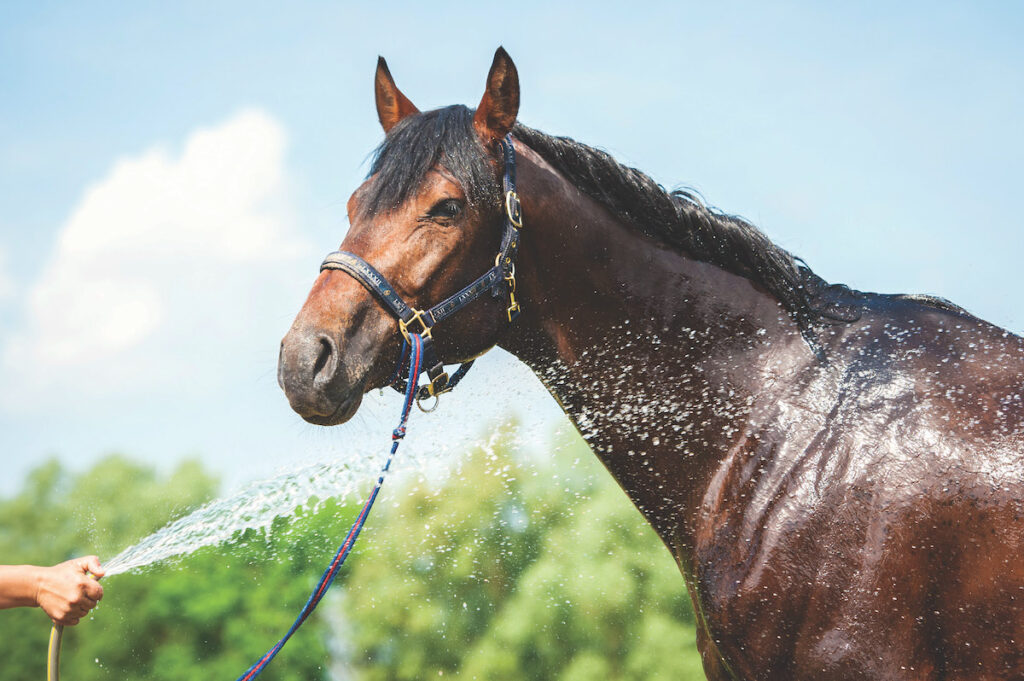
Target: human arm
[65,591]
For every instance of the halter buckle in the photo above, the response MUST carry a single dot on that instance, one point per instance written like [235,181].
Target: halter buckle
[513,209]
[438,385]
[417,316]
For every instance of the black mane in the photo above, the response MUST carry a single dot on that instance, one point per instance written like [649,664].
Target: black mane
[679,218]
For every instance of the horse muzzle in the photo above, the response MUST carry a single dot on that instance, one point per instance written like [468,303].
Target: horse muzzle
[320,385]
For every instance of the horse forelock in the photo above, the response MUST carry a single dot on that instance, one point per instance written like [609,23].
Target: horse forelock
[439,138]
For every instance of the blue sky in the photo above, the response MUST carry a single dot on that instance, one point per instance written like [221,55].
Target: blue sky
[171,174]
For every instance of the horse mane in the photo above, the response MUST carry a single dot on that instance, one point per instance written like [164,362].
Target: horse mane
[681,219]
[678,218]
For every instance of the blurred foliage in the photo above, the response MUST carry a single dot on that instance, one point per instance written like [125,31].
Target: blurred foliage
[505,570]
[210,615]
[514,571]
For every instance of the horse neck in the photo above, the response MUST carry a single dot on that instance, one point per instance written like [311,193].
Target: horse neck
[656,357]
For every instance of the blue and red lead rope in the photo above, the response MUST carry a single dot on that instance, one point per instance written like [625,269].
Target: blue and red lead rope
[415,362]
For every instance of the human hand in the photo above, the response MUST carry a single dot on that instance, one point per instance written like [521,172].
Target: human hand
[66,592]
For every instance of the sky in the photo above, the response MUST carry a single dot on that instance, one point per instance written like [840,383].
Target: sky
[171,175]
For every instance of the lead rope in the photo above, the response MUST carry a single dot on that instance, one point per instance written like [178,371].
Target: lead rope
[415,362]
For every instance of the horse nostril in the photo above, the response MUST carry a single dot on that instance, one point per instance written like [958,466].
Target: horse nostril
[323,368]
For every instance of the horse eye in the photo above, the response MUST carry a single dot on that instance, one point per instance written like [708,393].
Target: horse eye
[448,208]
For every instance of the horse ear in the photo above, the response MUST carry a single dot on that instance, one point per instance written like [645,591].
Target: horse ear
[497,111]
[392,105]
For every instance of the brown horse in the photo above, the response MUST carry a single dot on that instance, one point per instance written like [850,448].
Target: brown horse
[839,475]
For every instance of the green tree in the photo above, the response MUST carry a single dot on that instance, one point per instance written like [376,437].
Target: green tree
[58,516]
[513,572]
[210,614]
[508,570]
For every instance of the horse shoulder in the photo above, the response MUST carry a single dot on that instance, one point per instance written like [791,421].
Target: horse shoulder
[830,522]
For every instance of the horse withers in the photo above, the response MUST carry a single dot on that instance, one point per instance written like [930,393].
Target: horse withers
[839,475]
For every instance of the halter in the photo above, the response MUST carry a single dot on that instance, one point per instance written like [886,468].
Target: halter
[498,279]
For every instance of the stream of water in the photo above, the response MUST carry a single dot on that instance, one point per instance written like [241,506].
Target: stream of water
[255,506]
[431,449]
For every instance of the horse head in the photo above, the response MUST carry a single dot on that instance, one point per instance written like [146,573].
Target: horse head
[428,220]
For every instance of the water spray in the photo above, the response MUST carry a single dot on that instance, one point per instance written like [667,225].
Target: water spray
[415,363]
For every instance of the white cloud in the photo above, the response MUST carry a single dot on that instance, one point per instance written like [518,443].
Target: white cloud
[159,272]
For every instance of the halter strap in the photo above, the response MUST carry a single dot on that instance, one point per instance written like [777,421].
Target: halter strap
[500,276]
[373,280]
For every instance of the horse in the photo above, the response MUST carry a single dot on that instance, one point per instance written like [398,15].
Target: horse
[839,475]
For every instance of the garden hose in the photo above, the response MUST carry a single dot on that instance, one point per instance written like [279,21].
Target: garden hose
[53,654]
[53,658]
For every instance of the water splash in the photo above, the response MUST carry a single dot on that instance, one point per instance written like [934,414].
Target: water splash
[253,507]
[431,449]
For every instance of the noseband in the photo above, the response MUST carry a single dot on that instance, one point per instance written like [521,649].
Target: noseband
[498,280]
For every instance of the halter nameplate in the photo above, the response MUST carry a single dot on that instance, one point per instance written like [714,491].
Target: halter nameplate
[370,278]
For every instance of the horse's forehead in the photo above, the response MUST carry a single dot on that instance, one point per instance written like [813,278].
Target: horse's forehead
[437,181]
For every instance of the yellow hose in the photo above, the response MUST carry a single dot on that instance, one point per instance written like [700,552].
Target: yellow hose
[53,658]
[53,655]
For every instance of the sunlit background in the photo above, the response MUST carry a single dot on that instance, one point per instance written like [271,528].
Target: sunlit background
[171,175]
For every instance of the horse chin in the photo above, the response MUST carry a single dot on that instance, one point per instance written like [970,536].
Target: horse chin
[345,410]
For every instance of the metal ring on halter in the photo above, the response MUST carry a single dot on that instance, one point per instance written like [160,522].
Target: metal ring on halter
[421,400]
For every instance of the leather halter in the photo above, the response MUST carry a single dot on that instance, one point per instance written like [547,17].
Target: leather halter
[498,279]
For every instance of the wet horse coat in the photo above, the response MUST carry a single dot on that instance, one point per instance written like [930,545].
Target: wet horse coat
[839,475]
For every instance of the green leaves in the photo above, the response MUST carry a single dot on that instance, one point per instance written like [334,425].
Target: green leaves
[508,570]
[209,615]
[513,571]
